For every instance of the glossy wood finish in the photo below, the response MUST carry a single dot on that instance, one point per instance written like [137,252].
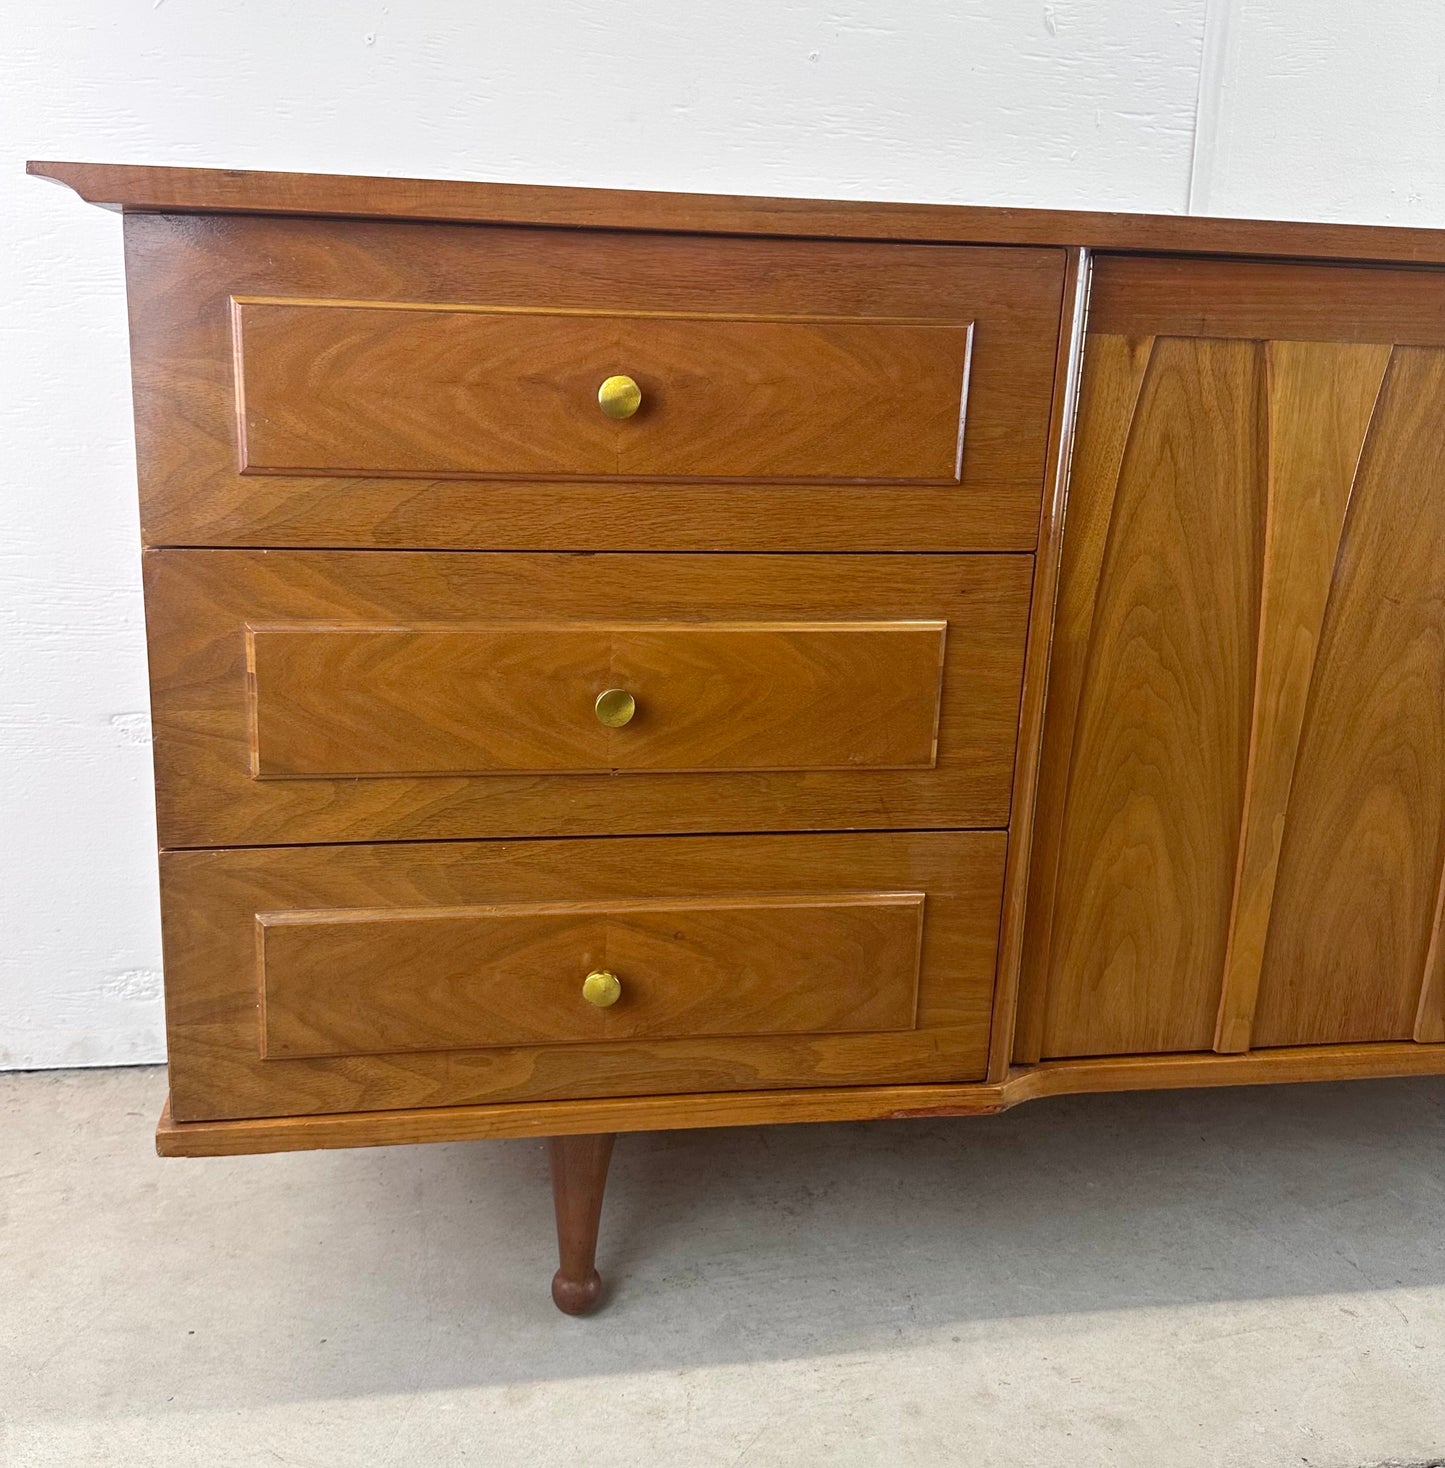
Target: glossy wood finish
[200,603]
[1231,832]
[1282,300]
[1108,388]
[1146,848]
[1242,823]
[763,1108]
[251,191]
[403,388]
[211,902]
[1430,1019]
[369,981]
[183,273]
[521,697]
[1043,596]
[1313,455]
[579,1176]
[1360,866]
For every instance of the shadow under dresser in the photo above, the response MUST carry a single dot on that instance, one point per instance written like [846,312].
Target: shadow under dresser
[627,661]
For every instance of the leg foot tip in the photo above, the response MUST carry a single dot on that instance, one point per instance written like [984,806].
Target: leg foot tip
[577,1296]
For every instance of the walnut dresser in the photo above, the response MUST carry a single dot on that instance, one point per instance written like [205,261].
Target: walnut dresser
[624,661]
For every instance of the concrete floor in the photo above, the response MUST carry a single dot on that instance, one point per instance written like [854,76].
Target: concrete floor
[1249,1278]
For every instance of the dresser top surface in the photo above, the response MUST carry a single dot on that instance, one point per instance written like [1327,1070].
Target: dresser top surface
[145,189]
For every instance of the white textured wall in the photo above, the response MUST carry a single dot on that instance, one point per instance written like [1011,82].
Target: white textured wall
[1323,109]
[1327,110]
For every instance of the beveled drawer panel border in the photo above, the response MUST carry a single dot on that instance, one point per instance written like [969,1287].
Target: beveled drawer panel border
[330,984]
[296,702]
[253,459]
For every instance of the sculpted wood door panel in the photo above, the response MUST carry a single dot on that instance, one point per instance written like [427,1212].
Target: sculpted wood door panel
[1359,868]
[1241,813]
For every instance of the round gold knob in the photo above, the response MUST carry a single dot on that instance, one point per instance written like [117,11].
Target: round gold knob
[619,397]
[615,707]
[601,988]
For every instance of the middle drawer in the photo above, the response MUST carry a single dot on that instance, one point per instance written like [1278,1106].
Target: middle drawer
[357,696]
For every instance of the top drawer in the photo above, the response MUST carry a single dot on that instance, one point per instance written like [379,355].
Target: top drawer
[348,383]
[330,388]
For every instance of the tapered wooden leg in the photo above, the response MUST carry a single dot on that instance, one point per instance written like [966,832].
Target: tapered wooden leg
[579,1175]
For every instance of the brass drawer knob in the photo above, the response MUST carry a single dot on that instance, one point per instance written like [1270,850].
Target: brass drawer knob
[601,988]
[615,707]
[619,397]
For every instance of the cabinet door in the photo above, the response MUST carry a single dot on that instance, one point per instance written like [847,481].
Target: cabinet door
[1241,816]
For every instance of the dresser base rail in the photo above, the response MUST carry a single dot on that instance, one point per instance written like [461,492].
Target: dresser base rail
[763,1108]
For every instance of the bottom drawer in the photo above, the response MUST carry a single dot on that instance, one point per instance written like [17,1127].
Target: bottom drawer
[302,980]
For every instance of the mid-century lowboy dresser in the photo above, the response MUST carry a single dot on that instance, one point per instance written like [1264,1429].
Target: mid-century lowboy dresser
[627,661]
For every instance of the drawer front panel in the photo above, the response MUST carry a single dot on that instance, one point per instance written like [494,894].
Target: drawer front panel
[357,696]
[356,390]
[357,983]
[351,978]
[524,698]
[351,383]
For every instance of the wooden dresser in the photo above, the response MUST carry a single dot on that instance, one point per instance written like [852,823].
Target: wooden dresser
[626,661]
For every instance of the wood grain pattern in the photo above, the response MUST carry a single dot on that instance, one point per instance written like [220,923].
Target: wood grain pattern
[368,981]
[182,273]
[211,901]
[1430,1015]
[1013,933]
[764,1108]
[519,697]
[1320,399]
[199,604]
[1359,869]
[1332,832]
[1110,377]
[579,1178]
[1240,795]
[1284,300]
[1147,849]
[251,191]
[358,389]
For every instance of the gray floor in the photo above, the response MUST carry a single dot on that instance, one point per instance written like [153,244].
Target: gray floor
[1201,1278]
